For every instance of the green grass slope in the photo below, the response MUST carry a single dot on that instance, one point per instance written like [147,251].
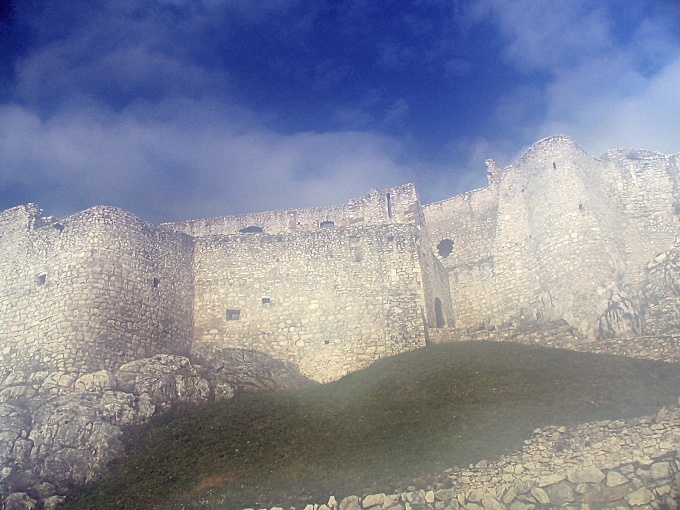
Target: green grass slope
[403,418]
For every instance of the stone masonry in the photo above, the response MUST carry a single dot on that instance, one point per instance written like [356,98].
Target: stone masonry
[106,318]
[558,235]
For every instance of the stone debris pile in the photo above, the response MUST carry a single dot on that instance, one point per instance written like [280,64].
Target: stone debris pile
[624,464]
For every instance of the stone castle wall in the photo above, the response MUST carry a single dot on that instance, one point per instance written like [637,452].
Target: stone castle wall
[556,234]
[102,287]
[330,301]
[394,205]
[93,291]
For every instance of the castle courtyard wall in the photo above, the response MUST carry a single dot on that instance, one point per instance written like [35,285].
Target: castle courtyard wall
[331,301]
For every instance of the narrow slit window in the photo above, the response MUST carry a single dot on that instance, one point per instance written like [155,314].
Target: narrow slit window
[156,282]
[389,205]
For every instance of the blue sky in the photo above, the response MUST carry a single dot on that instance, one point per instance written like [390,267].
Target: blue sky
[180,109]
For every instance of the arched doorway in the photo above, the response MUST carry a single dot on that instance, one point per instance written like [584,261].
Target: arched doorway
[438,314]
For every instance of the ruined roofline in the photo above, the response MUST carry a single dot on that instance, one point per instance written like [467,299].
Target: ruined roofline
[548,142]
[495,173]
[626,152]
[372,192]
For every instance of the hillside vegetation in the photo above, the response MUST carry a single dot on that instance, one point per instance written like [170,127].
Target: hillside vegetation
[403,418]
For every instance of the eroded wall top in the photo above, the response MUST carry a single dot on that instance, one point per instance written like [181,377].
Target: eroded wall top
[393,205]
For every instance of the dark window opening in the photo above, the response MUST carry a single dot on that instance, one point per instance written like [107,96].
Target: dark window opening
[233,314]
[326,342]
[445,247]
[266,301]
[580,207]
[156,282]
[327,224]
[389,205]
[58,226]
[40,279]
[252,229]
[438,314]
[554,166]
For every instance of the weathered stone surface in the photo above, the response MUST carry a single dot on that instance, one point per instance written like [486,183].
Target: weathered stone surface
[641,496]
[550,479]
[491,503]
[373,499]
[614,479]
[445,494]
[70,428]
[540,495]
[588,474]
[656,471]
[20,501]
[604,494]
[560,493]
[518,505]
[509,495]
[453,505]
[350,503]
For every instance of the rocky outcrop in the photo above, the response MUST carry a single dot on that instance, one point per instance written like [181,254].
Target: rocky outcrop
[59,430]
[661,290]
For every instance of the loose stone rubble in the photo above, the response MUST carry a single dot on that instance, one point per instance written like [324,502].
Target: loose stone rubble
[622,464]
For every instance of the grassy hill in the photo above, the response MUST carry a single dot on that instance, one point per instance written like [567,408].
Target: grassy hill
[402,418]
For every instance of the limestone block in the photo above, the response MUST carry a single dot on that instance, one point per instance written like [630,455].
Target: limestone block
[614,479]
[589,474]
[540,495]
[560,493]
[373,499]
[491,503]
[641,496]
[350,503]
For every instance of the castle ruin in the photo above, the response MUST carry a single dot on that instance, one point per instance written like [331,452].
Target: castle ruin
[558,235]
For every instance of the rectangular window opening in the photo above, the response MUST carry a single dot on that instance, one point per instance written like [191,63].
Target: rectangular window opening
[233,314]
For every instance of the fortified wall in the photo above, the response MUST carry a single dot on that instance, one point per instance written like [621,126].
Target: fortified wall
[558,235]
[326,290]
[91,291]
[105,318]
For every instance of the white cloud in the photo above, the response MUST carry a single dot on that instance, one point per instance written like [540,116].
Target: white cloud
[603,87]
[192,159]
